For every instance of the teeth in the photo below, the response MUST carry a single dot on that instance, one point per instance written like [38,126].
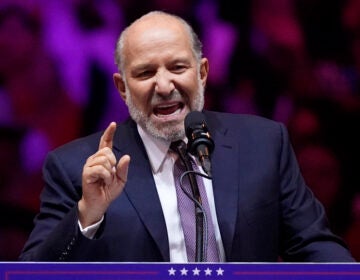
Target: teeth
[165,106]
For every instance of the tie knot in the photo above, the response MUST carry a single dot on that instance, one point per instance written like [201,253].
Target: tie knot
[180,148]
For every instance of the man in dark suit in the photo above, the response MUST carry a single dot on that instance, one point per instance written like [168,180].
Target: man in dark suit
[110,196]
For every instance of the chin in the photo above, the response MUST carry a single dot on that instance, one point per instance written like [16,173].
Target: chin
[169,131]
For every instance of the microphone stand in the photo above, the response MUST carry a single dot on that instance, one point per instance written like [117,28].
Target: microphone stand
[199,214]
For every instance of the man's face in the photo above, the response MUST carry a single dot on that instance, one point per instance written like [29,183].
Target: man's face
[163,81]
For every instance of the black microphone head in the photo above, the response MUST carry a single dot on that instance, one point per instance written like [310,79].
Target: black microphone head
[194,118]
[197,132]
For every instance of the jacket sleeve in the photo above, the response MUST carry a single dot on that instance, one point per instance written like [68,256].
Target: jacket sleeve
[306,235]
[56,233]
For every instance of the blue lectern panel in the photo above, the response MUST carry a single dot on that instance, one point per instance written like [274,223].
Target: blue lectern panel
[164,271]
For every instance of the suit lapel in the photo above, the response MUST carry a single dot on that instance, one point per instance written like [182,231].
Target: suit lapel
[140,187]
[225,182]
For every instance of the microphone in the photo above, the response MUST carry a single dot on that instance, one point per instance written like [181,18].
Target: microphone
[200,143]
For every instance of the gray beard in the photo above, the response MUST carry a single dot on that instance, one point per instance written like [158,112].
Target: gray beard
[170,131]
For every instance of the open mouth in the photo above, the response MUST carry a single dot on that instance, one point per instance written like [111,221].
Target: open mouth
[168,109]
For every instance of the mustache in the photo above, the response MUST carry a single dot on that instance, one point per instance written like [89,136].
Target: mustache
[175,95]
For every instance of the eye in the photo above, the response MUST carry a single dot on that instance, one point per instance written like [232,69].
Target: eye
[144,74]
[179,68]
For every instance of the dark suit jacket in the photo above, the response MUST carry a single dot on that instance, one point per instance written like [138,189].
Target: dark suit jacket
[263,206]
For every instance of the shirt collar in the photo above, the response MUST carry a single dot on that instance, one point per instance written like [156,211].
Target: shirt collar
[156,149]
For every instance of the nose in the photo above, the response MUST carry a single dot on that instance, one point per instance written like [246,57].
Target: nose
[163,83]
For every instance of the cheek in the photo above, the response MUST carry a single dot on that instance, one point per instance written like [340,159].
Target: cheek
[141,94]
[190,85]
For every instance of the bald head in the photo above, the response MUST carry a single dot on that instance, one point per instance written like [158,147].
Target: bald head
[157,22]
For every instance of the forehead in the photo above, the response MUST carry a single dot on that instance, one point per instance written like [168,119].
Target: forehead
[157,33]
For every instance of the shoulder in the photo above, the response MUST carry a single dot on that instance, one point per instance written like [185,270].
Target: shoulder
[77,151]
[89,144]
[72,155]
[84,145]
[229,123]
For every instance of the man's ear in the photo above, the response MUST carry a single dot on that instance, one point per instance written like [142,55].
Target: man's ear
[204,70]
[120,85]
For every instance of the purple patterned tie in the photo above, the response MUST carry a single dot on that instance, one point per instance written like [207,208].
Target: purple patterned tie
[187,211]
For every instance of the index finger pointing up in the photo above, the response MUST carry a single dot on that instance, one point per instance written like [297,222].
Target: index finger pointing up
[106,139]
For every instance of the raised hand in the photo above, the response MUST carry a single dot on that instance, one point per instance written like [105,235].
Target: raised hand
[103,179]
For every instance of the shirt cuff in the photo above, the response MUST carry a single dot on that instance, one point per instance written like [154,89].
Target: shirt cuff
[91,230]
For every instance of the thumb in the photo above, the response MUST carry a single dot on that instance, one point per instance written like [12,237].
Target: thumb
[122,168]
